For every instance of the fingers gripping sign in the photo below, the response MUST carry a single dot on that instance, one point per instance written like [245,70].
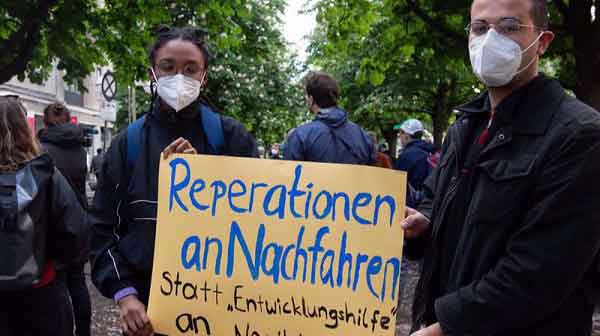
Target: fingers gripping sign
[415,223]
[179,146]
[134,320]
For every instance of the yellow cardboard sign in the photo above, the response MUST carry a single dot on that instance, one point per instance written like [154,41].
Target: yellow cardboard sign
[258,247]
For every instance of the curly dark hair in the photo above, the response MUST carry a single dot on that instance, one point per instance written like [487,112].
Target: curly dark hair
[165,34]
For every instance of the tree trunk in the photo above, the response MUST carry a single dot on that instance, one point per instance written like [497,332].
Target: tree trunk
[18,48]
[442,110]
[588,80]
[586,36]
[391,137]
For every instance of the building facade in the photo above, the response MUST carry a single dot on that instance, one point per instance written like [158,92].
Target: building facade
[87,105]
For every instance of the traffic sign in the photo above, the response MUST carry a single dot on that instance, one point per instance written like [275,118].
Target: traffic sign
[109,86]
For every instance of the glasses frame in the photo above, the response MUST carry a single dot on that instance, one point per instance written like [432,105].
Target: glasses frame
[494,25]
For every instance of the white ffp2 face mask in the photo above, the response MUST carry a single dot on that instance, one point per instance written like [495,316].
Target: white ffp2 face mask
[496,58]
[178,91]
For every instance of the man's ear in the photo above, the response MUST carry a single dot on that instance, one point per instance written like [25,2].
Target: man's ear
[545,42]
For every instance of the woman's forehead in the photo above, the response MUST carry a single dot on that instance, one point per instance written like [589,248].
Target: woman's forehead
[180,51]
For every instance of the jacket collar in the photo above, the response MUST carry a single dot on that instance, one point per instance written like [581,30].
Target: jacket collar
[527,111]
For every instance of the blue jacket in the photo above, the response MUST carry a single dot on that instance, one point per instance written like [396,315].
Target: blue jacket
[413,160]
[332,138]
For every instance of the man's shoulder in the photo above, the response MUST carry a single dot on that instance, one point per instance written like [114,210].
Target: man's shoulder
[575,115]
[309,127]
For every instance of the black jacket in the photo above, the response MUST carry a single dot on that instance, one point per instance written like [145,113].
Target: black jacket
[524,257]
[49,215]
[64,143]
[124,210]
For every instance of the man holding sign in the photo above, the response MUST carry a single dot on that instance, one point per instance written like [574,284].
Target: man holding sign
[510,225]
[124,211]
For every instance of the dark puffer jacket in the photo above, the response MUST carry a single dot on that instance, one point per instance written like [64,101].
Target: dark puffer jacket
[64,143]
[332,138]
[413,161]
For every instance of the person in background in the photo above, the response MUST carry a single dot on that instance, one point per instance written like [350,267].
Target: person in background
[64,142]
[415,152]
[330,137]
[125,205]
[510,225]
[382,159]
[41,224]
[283,147]
[96,166]
[275,153]
[414,159]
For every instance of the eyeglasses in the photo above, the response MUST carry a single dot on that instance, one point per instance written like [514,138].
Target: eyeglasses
[506,27]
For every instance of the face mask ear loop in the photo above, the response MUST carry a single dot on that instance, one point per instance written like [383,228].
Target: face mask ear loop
[202,81]
[524,51]
[153,90]
[534,42]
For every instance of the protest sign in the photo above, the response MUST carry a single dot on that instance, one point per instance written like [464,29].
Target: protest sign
[257,247]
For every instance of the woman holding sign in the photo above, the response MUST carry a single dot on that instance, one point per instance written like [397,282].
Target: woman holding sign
[180,120]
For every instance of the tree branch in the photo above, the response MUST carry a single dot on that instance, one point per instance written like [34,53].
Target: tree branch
[435,23]
[23,42]
[562,7]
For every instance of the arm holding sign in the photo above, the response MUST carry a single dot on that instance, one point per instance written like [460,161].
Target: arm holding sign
[111,273]
[417,224]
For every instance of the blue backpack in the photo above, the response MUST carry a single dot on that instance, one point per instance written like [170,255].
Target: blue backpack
[211,124]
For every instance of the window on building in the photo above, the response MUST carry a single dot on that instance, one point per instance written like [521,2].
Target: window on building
[73,95]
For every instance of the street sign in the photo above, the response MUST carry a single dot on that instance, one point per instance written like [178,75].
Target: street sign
[109,86]
[108,111]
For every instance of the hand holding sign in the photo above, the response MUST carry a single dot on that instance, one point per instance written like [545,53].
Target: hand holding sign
[179,146]
[134,321]
[433,330]
[414,224]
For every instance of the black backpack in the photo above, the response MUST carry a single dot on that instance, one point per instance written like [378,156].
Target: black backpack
[21,256]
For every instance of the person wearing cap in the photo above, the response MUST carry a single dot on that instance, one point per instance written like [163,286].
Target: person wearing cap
[414,157]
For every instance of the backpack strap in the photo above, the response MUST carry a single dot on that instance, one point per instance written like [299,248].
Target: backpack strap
[348,146]
[134,139]
[213,128]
